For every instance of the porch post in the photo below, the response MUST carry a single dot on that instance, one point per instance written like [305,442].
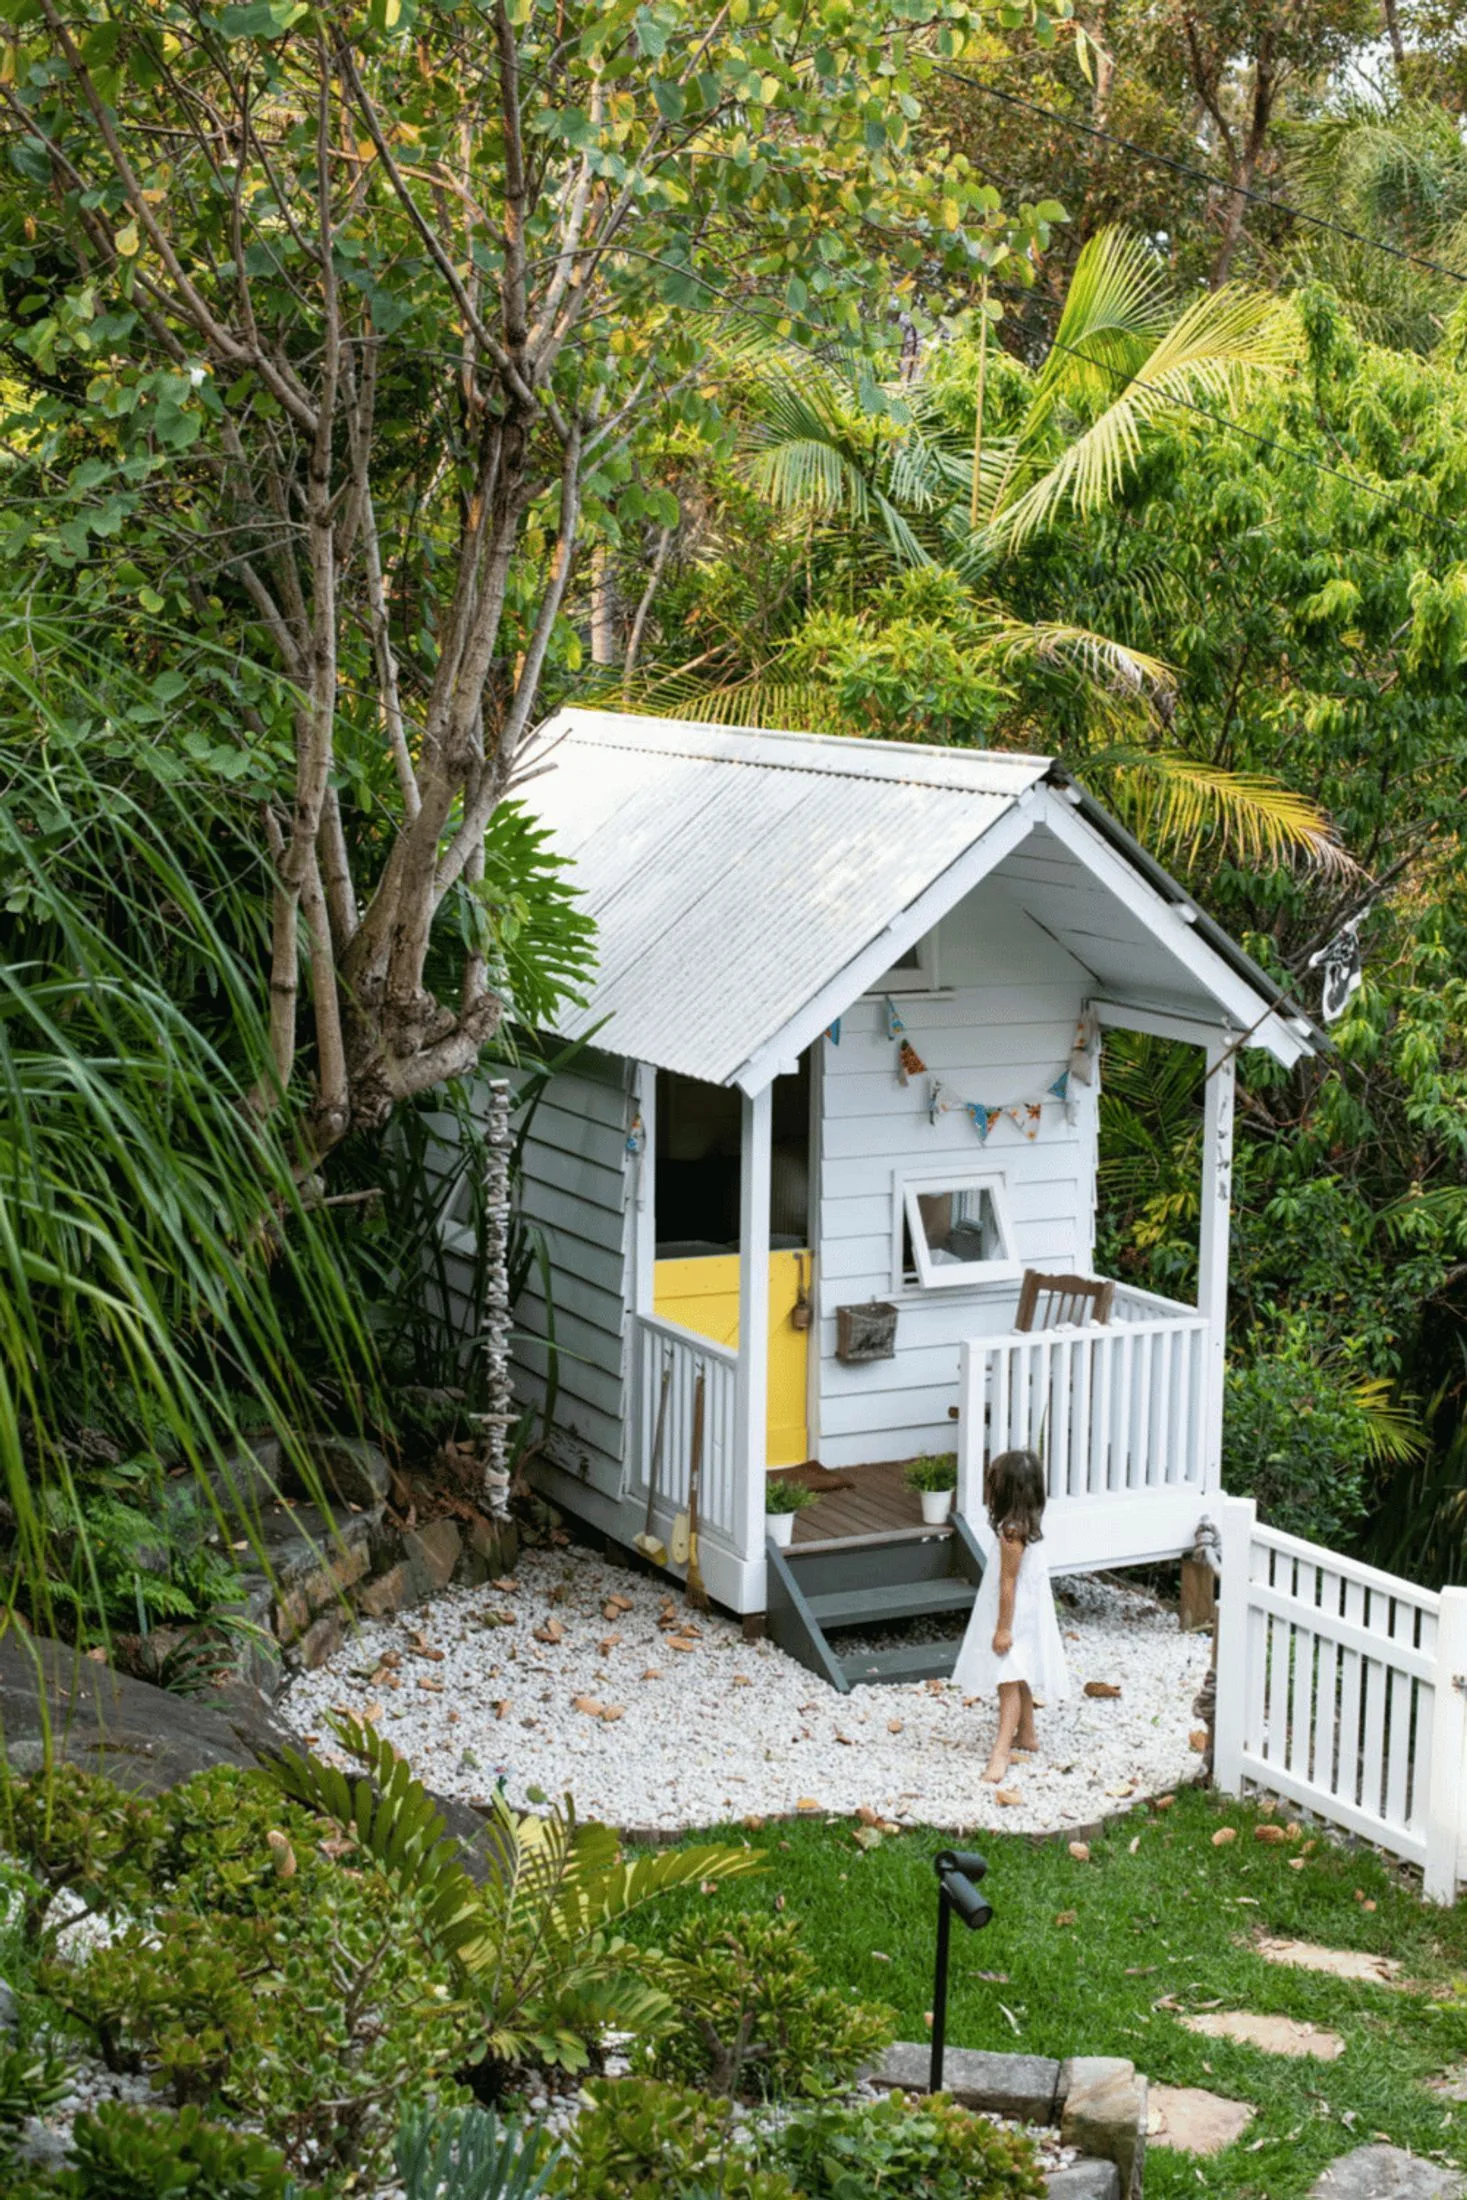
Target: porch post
[753,1370]
[1212,1252]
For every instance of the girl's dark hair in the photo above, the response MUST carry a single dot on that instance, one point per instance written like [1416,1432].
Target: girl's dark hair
[1013,1489]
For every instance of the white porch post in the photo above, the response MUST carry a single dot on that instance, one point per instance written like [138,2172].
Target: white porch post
[753,1372]
[1212,1252]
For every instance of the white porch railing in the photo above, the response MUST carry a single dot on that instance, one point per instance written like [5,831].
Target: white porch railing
[663,1344]
[1344,1690]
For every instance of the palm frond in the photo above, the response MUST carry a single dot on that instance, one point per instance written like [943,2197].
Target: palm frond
[1116,310]
[1177,801]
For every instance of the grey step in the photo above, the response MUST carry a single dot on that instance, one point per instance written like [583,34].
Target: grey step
[886,1601]
[915,1661]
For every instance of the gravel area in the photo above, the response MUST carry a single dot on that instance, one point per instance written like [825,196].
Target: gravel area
[575,1675]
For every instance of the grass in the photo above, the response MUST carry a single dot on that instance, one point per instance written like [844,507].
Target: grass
[1087,1958]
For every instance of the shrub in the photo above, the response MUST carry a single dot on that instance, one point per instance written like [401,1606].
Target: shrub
[131,2154]
[252,1970]
[927,2150]
[640,2140]
[1302,1437]
[32,2081]
[933,1471]
[753,2018]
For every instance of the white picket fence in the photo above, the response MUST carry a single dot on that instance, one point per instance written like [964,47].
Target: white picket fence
[1344,1690]
[666,1346]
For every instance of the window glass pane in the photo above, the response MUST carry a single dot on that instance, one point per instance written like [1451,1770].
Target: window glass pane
[960,1225]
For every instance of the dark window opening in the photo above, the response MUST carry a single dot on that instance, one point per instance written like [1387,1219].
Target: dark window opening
[699,1130]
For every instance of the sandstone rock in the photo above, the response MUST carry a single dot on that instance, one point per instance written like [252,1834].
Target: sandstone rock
[430,1555]
[1275,2035]
[1195,2121]
[351,1470]
[379,1599]
[1350,1963]
[1105,2113]
[1386,2173]
[140,1736]
[321,1640]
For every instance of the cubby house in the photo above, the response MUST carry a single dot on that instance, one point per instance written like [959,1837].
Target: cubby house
[837,1095]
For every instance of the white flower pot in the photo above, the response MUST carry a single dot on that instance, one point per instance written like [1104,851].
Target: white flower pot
[936,1505]
[781,1526]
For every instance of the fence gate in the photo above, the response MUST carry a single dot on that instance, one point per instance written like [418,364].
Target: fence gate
[1344,1690]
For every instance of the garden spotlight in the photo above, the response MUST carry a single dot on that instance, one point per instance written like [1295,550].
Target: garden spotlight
[958,1874]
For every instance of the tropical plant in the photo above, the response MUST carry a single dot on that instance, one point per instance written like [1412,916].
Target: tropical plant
[533,1950]
[133,2154]
[933,1471]
[639,2139]
[783,1495]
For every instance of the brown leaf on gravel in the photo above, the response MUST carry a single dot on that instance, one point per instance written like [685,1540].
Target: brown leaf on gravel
[1197,1739]
[1102,1688]
[552,1631]
[613,1712]
[867,1815]
[1224,1835]
[432,1687]
[606,1645]
[615,1606]
[848,1739]
[807,1802]
[504,1581]
[653,1673]
[1080,1850]
[1163,1802]
[679,1642]
[592,1706]
[894,1726]
[1008,1797]
[742,1680]
[500,1707]
[372,1713]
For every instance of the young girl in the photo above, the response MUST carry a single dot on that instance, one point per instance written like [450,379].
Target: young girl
[1013,1639]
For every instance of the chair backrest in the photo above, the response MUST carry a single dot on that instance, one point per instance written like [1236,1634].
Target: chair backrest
[1046,1302]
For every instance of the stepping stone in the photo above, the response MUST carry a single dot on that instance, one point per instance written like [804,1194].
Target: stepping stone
[1195,2121]
[1450,2086]
[1386,2173]
[1302,1955]
[1275,2035]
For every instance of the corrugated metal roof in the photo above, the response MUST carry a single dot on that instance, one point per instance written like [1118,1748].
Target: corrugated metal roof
[732,874]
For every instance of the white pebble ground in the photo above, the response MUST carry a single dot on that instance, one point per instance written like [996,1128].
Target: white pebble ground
[643,1734]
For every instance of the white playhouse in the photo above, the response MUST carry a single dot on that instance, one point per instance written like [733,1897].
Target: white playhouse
[837,1101]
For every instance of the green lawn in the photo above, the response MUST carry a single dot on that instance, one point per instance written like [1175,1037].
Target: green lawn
[1172,1920]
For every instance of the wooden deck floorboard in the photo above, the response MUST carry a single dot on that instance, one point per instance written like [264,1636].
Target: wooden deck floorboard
[877,1502]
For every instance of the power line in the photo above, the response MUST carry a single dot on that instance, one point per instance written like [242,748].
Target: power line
[1201,175]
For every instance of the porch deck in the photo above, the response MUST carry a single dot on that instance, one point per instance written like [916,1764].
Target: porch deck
[857,1504]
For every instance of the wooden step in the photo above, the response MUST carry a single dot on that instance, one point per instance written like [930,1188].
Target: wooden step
[884,1602]
[914,1661]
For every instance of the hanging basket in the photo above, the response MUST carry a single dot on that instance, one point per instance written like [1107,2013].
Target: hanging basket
[866,1332]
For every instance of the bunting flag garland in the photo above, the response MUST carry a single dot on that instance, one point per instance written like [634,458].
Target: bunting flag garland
[1027,1112]
[1027,1116]
[895,1028]
[832,1032]
[909,1063]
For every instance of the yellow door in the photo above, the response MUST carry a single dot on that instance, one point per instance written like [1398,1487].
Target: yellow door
[704,1296]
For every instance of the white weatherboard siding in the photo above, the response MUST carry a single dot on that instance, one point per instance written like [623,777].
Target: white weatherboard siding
[575,1190]
[1000,1034]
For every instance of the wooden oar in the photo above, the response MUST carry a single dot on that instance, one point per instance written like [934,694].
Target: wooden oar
[697,1594]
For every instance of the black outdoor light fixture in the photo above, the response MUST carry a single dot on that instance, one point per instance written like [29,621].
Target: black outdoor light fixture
[958,1873]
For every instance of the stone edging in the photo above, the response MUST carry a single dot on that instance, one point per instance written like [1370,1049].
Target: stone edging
[1098,2103]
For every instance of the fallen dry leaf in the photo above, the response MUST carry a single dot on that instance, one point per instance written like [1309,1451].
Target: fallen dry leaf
[807,1802]
[754,1822]
[606,1645]
[1367,1906]
[867,1815]
[742,1680]
[1127,1787]
[679,1642]
[1102,1688]
[592,1706]
[1163,1802]
[1008,1797]
[1197,1739]
[1273,1834]
[372,1713]
[613,1712]
[1066,1917]
[847,1739]
[501,1707]
[432,1687]
[1133,1844]
[1080,1850]
[552,1631]
[1224,1835]
[878,1957]
[504,1581]
[894,1726]
[1297,1863]
[707,1886]
[653,1673]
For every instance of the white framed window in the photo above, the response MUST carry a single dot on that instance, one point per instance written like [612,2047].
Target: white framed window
[915,971]
[956,1230]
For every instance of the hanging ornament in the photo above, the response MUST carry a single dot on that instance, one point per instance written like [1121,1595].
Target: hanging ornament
[832,1032]
[909,1063]
[1027,1116]
[895,1028]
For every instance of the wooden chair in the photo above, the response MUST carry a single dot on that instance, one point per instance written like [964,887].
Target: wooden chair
[1056,1300]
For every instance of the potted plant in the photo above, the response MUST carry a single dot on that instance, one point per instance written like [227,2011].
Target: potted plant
[782,1500]
[935,1478]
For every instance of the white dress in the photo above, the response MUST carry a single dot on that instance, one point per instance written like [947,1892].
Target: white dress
[1036,1655]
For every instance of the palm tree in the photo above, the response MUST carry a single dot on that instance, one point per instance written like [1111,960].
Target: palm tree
[904,477]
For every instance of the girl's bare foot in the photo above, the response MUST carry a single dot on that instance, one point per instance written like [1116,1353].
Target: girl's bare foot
[1027,1742]
[996,1767]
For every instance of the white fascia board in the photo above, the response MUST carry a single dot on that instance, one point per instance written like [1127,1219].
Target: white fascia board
[877,957]
[1162,1023]
[1249,1010]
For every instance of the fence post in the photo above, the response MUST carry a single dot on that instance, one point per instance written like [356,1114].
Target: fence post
[1446,1808]
[1239,1516]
